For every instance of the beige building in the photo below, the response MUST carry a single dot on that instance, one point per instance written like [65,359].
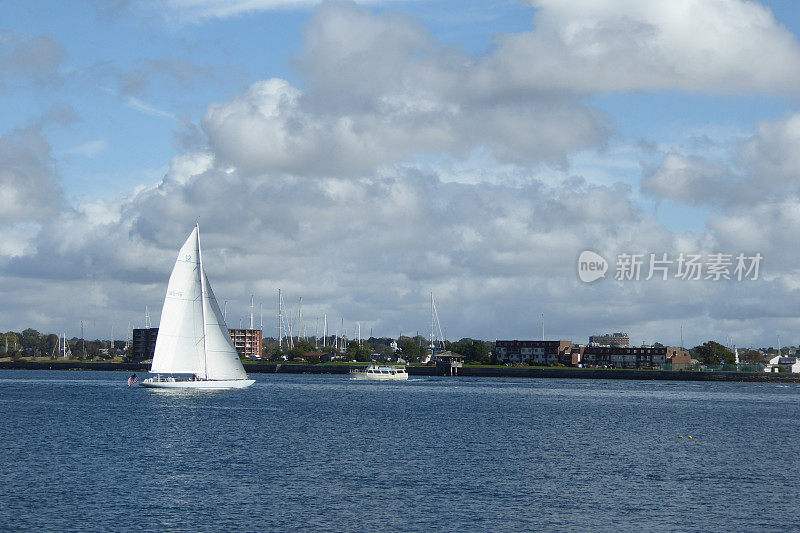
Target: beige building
[611,339]
[247,342]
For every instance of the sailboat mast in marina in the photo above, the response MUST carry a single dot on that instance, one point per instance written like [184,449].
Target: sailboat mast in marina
[193,339]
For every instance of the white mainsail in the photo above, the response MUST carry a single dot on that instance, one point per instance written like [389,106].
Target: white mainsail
[192,335]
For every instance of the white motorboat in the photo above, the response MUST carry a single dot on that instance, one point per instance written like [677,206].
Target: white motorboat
[193,348]
[375,372]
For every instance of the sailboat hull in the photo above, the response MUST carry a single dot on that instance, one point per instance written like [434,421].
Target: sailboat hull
[204,384]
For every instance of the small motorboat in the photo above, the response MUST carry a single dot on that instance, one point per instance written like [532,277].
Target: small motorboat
[376,372]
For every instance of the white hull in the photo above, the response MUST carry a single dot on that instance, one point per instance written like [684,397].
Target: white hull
[379,377]
[203,384]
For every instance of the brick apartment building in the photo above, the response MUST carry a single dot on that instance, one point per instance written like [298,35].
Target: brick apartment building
[540,352]
[248,342]
[636,356]
[569,354]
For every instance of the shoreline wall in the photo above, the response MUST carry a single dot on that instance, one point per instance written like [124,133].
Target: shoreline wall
[501,372]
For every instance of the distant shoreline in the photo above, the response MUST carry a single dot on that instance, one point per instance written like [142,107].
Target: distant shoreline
[467,371]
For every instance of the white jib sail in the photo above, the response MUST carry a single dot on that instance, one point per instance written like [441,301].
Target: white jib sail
[222,361]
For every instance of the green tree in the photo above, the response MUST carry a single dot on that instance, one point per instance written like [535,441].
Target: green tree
[480,354]
[474,351]
[713,353]
[410,349]
[275,353]
[51,343]
[296,353]
[30,337]
[357,352]
[379,345]
[303,346]
[751,357]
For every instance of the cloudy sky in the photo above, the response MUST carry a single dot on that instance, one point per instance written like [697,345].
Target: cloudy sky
[361,155]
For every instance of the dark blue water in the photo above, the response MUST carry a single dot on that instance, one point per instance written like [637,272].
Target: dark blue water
[83,451]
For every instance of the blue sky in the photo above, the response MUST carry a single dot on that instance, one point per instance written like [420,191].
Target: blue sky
[676,116]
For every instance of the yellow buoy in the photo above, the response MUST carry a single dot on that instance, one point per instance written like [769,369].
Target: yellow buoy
[680,436]
[689,437]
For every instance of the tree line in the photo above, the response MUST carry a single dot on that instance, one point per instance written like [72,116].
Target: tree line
[31,343]
[713,353]
[410,349]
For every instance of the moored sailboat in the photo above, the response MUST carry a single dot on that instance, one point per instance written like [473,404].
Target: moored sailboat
[193,348]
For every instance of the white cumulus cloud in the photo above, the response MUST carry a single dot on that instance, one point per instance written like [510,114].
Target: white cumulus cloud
[712,46]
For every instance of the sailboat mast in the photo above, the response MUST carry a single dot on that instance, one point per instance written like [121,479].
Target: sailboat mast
[202,300]
[280,322]
[432,345]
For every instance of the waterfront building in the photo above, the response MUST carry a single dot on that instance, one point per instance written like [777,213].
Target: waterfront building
[572,356]
[248,342]
[637,357]
[789,364]
[610,339]
[143,343]
[678,358]
[538,352]
[448,363]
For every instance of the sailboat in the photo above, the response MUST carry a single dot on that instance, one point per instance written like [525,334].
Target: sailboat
[192,337]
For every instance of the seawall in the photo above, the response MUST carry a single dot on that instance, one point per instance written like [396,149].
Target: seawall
[467,371]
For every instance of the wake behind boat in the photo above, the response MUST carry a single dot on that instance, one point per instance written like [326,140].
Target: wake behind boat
[375,372]
[192,336]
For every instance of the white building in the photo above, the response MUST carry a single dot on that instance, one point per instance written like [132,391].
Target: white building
[791,364]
